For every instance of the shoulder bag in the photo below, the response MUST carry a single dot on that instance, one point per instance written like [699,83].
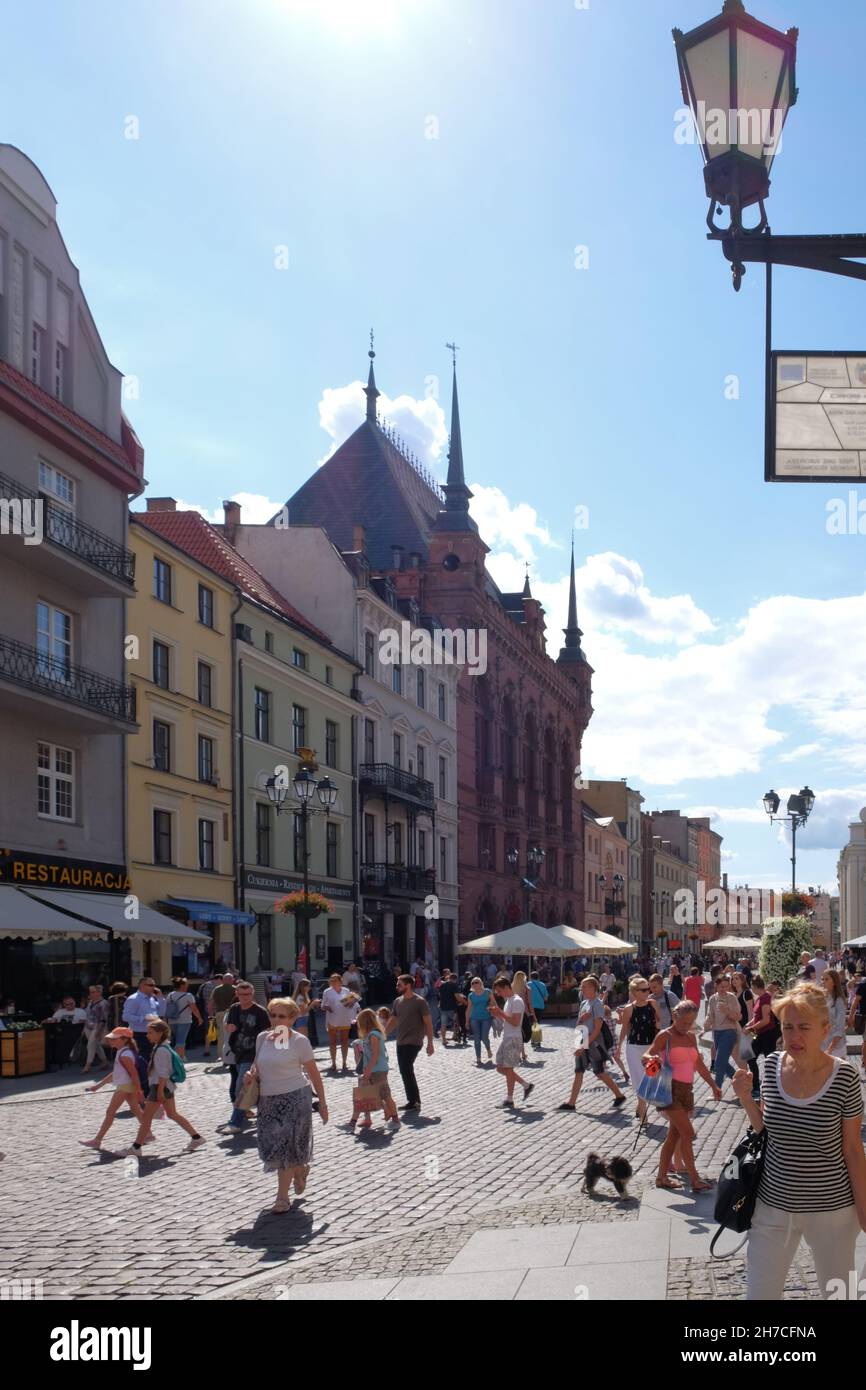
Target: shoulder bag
[658,1090]
[737,1190]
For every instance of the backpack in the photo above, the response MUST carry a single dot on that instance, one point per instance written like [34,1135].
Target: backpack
[178,1070]
[141,1068]
[173,1009]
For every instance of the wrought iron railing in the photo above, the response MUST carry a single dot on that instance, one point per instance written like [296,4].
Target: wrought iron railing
[64,529]
[34,670]
[392,878]
[386,777]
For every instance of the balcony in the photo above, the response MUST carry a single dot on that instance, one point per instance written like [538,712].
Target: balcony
[383,779]
[395,881]
[89,699]
[77,554]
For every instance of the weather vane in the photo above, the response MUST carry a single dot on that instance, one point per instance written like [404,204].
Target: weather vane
[371,354]
[453,349]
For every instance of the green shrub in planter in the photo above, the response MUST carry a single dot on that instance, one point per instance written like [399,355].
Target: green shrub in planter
[783,942]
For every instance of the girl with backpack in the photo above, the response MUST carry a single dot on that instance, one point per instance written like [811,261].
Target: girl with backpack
[165,1071]
[127,1086]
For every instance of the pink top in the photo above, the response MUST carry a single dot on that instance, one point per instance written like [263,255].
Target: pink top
[683,1061]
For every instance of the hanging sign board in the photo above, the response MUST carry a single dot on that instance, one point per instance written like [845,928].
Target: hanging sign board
[816,417]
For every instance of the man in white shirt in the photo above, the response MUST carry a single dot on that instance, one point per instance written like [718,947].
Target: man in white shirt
[68,1013]
[511,1047]
[340,1007]
[819,965]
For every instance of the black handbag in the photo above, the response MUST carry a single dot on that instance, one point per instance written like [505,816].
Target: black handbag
[737,1190]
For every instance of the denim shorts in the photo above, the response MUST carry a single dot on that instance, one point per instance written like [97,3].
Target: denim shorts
[180,1033]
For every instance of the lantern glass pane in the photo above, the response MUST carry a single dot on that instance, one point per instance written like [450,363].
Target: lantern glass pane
[759,66]
[709,68]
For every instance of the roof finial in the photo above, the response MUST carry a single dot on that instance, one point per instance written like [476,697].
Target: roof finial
[527,592]
[453,349]
[370,389]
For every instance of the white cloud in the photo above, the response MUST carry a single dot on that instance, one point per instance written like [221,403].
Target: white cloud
[420,423]
[503,524]
[255,508]
[805,750]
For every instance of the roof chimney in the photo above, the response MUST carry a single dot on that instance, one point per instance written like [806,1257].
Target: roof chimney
[397,556]
[415,559]
[231,518]
[161,504]
[359,538]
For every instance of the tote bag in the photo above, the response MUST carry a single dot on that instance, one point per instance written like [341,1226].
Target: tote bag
[658,1089]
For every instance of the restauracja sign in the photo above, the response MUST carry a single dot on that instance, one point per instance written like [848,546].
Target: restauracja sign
[41,870]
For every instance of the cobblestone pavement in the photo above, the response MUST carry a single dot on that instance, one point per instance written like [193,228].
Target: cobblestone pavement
[191,1225]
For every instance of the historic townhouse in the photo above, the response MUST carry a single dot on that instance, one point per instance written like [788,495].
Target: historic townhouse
[405,741]
[521,715]
[292,713]
[69,461]
[605,850]
[617,799]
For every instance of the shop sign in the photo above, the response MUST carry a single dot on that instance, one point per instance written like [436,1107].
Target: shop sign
[24,869]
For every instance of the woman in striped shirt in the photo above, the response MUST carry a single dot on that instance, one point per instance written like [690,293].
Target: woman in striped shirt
[814,1179]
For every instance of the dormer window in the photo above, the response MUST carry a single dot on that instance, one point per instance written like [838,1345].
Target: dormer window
[36,348]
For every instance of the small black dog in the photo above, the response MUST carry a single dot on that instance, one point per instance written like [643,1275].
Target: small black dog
[616,1170]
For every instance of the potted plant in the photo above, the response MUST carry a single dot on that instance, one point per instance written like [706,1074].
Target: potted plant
[307,905]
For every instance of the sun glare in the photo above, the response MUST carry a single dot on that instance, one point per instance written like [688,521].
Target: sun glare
[349,18]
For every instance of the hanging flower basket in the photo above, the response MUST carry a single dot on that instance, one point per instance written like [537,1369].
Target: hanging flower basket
[313,905]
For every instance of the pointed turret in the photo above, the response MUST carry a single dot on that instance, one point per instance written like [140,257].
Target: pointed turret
[370,389]
[572,651]
[527,592]
[455,514]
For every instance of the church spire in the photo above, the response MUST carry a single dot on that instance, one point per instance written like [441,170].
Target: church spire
[455,515]
[370,389]
[527,592]
[572,652]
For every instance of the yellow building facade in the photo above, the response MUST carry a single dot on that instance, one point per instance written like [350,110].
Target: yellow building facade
[179,783]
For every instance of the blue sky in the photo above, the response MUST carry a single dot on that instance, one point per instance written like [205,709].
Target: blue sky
[724,623]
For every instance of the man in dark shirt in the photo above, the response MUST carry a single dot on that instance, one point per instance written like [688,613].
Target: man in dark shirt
[448,991]
[244,1020]
[410,1017]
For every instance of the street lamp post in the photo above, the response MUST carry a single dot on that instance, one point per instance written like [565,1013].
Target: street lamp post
[614,900]
[736,72]
[535,857]
[305,786]
[799,809]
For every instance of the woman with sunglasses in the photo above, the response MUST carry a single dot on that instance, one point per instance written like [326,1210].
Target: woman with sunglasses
[639,1022]
[284,1062]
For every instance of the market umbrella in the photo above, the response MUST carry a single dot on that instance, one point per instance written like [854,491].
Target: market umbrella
[856,941]
[526,939]
[733,943]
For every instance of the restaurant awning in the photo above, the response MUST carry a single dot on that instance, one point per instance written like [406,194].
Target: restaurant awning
[526,939]
[25,917]
[109,910]
[205,910]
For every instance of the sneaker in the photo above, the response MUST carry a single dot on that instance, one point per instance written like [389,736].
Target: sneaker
[566,1106]
[131,1152]
[620,1100]
[194,1144]
[233,1129]
[527,1090]
[508,1105]
[394,1125]
[416,1105]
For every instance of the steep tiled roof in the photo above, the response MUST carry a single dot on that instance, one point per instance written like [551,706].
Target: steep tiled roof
[369,482]
[191,533]
[128,454]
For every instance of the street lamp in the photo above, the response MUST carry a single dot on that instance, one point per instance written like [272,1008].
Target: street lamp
[799,809]
[306,787]
[535,857]
[738,79]
[614,902]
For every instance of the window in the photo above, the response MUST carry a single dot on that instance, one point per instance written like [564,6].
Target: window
[263,715]
[160,665]
[422,849]
[442,701]
[420,689]
[263,833]
[369,741]
[443,859]
[205,845]
[551,866]
[299,727]
[369,838]
[205,759]
[398,750]
[397,680]
[332,849]
[331,733]
[397,829]
[162,837]
[60,372]
[298,840]
[55,781]
[161,746]
[54,641]
[60,486]
[421,752]
[205,684]
[265,937]
[568,870]
[205,605]
[369,654]
[329,675]
[443,779]
[37,342]
[161,580]
[299,658]
[269,642]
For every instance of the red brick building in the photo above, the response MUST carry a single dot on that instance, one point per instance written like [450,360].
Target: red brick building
[520,724]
